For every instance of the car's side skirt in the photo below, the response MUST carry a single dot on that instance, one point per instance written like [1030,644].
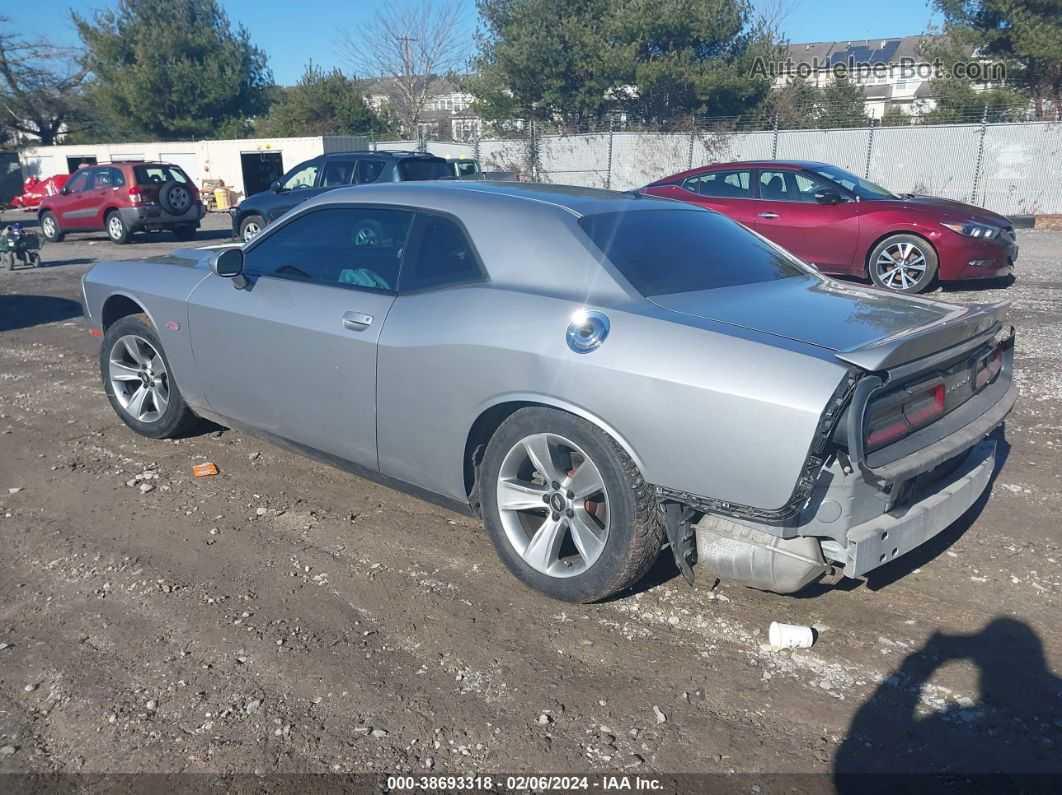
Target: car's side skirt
[442,501]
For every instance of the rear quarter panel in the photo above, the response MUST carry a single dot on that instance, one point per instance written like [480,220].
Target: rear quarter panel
[160,286]
[725,415]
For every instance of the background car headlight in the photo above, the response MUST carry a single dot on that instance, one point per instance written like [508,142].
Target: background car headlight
[972,230]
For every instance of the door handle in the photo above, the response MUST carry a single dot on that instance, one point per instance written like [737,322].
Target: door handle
[356,321]
[768,215]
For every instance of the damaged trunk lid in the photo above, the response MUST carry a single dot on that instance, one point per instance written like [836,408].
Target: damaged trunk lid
[869,327]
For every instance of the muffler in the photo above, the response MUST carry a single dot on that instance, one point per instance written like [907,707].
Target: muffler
[757,559]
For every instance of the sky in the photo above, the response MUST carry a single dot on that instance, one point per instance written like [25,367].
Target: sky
[292,32]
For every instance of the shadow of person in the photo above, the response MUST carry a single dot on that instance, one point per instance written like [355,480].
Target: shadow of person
[908,726]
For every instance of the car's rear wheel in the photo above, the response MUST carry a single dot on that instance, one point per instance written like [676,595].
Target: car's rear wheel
[251,226]
[567,510]
[139,382]
[117,229]
[50,228]
[905,263]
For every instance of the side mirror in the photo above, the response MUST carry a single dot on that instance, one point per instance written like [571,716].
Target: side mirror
[827,197]
[228,263]
[275,186]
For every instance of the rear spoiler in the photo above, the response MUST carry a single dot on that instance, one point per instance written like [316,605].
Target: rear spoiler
[923,341]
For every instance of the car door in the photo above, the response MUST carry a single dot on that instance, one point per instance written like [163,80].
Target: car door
[294,352]
[107,183]
[298,185]
[788,213]
[75,208]
[726,191]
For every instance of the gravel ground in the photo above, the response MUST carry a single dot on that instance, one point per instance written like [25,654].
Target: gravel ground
[288,617]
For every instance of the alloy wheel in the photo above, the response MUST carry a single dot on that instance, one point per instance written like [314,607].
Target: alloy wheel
[115,228]
[48,225]
[901,266]
[553,505]
[250,230]
[139,378]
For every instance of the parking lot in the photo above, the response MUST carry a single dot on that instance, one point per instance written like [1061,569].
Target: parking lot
[288,617]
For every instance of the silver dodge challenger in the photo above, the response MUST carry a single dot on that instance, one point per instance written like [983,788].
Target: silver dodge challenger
[600,376]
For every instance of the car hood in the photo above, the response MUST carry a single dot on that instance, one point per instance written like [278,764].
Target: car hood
[952,209]
[867,326]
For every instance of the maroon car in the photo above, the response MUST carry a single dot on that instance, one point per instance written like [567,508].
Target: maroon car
[844,224]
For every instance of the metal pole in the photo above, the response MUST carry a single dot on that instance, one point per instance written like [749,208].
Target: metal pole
[980,154]
[870,147]
[774,142]
[608,174]
[475,147]
[693,137]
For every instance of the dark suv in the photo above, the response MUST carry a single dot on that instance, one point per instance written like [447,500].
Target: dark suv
[123,198]
[329,171]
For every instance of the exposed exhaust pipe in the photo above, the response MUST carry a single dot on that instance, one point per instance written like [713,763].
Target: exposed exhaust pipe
[757,559]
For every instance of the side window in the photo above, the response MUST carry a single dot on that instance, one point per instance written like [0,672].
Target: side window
[773,186]
[721,184]
[337,173]
[441,255]
[301,178]
[805,187]
[341,246]
[79,181]
[108,178]
[369,171]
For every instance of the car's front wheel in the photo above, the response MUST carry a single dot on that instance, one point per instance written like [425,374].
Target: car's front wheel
[906,263]
[139,382]
[567,510]
[53,233]
[250,227]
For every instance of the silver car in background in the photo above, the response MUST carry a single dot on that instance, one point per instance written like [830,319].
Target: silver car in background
[598,375]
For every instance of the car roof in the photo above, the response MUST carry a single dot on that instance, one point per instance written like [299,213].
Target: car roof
[578,201]
[775,164]
[386,154]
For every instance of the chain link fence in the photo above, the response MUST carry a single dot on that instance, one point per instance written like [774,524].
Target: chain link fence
[1010,167]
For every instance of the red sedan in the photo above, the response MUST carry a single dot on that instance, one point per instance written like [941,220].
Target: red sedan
[844,224]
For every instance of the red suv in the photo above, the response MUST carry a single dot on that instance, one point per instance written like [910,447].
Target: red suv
[123,198]
[844,224]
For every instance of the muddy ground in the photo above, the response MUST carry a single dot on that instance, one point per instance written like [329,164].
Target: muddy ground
[285,616]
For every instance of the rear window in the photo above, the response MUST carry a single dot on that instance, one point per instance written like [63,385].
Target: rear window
[678,251]
[156,175]
[411,170]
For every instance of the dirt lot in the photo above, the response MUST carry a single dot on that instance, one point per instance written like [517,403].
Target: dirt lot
[285,616]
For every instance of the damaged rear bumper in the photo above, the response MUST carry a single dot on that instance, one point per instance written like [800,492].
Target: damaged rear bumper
[887,537]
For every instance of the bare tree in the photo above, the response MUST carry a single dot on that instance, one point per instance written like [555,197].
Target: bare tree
[409,45]
[37,85]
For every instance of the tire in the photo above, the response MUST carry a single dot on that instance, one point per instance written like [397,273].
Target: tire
[50,228]
[184,232]
[175,198]
[251,226]
[626,542]
[885,269]
[34,259]
[117,228]
[162,412]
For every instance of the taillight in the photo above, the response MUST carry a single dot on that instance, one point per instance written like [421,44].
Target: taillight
[988,369]
[135,195]
[916,409]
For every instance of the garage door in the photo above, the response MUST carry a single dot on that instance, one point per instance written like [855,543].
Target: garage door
[188,161]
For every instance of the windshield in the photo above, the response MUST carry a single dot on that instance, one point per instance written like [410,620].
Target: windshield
[677,251]
[862,188]
[423,169]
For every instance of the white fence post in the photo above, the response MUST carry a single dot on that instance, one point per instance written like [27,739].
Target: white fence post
[980,154]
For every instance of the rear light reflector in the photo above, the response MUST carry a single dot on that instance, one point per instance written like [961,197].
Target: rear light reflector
[988,369]
[909,412]
[135,195]
[925,407]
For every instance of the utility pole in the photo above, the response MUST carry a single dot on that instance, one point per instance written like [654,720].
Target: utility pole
[409,78]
